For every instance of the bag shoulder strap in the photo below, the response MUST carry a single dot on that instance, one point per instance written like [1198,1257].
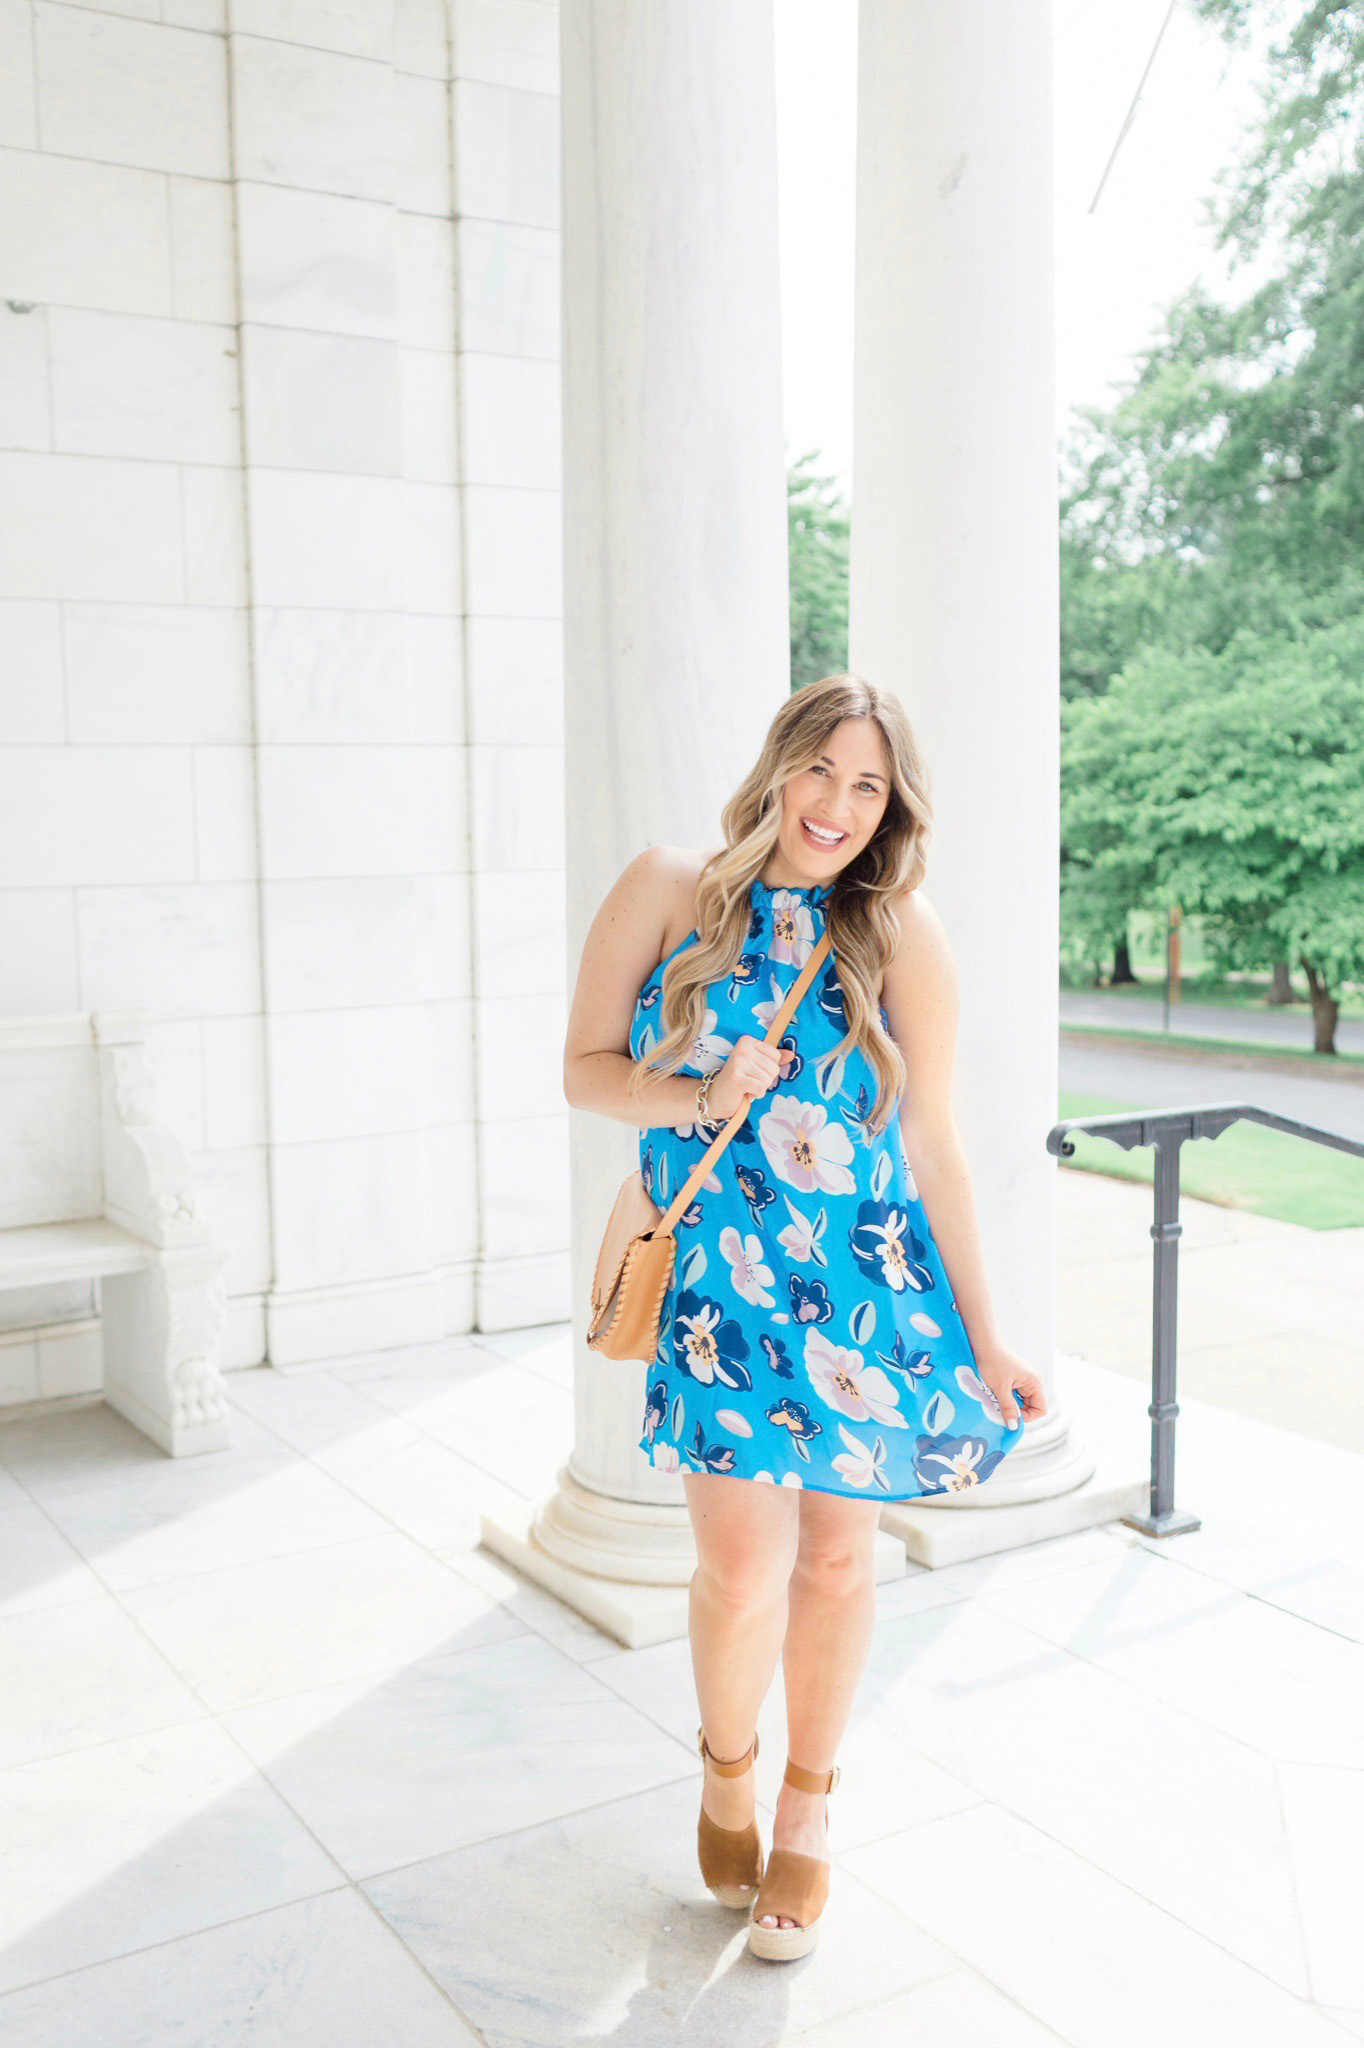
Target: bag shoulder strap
[774,1030]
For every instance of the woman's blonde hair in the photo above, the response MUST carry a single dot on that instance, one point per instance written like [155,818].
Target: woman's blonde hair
[863,926]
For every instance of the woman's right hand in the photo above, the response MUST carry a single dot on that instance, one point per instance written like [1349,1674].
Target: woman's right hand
[752,1067]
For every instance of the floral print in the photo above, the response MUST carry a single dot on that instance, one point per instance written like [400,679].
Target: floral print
[810,1338]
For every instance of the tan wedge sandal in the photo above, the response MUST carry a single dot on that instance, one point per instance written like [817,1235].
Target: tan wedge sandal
[731,1858]
[793,1883]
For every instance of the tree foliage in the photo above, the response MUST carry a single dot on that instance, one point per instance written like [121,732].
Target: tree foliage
[817,523]
[1232,784]
[1212,553]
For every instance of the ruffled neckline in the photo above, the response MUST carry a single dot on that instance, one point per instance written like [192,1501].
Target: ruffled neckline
[817,892]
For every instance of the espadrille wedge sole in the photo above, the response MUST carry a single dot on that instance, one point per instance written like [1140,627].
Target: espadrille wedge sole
[794,1884]
[731,1858]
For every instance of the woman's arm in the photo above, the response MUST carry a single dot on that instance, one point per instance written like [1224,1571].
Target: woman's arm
[922,995]
[624,943]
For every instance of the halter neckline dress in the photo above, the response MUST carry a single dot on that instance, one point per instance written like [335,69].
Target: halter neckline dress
[810,1337]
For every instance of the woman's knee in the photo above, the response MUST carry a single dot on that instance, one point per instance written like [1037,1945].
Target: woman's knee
[836,1562]
[741,1578]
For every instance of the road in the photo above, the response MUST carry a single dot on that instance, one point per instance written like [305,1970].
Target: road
[1289,1030]
[1164,1080]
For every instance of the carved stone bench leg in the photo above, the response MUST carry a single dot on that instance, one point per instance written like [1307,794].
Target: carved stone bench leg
[163,1331]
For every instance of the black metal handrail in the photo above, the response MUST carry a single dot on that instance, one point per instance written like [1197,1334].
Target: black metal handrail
[1168,1130]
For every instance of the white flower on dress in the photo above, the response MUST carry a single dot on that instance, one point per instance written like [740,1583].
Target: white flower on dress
[787,1478]
[864,1393]
[800,1238]
[710,1048]
[861,1464]
[748,1275]
[804,1148]
[793,929]
[667,1457]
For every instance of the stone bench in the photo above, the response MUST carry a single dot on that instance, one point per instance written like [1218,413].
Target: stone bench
[93,1187]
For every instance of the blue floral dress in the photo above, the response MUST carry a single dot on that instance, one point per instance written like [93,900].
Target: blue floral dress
[809,1338]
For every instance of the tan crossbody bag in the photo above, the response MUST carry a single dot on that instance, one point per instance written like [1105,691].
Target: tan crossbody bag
[635,1264]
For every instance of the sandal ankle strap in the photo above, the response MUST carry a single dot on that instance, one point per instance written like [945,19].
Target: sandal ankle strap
[811,1781]
[736,1766]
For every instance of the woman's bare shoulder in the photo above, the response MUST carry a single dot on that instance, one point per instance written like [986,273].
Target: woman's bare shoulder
[675,872]
[923,960]
[658,889]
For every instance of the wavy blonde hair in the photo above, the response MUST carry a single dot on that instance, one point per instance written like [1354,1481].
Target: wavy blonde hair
[863,927]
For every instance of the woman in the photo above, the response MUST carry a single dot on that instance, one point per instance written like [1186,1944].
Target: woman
[814,1359]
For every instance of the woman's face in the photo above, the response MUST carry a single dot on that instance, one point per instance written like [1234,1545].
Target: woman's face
[832,808]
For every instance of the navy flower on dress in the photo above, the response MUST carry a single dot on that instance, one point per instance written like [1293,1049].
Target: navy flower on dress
[916,1364]
[810,1301]
[954,1464]
[655,1409]
[796,1417]
[777,1356]
[711,1457]
[883,1242]
[754,1185]
[709,1345]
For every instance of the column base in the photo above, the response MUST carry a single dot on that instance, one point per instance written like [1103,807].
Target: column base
[624,1565]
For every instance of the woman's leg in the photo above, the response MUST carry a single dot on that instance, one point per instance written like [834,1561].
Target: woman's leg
[746,1538]
[832,1609]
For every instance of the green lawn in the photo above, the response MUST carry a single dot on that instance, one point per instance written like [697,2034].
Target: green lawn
[1248,1167]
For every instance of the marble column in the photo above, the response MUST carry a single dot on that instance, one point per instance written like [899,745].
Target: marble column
[675,612]
[954,603]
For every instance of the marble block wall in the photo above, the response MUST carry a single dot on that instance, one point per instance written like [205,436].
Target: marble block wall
[280,634]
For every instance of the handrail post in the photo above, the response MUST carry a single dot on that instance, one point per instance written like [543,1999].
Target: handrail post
[1166,1130]
[1166,1229]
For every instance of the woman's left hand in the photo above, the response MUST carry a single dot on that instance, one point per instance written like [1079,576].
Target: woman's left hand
[1005,1374]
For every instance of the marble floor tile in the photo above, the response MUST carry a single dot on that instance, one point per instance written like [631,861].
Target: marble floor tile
[1352,2019]
[448,1359]
[1285,1686]
[436,1354]
[452,1749]
[198,1517]
[957,2011]
[1082,1953]
[82,1449]
[598,1927]
[38,1567]
[1116,1776]
[287,1624]
[324,1418]
[549,1351]
[569,1631]
[1303,1581]
[511,1423]
[526,1343]
[429,1492]
[111,1849]
[80,1674]
[921,1588]
[323,1973]
[1324,1818]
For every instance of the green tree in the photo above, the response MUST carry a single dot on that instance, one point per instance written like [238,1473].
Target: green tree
[817,523]
[1231,783]
[1223,494]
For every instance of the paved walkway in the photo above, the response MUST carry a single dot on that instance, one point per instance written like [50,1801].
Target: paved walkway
[285,1760]
[1288,1029]
[1271,1316]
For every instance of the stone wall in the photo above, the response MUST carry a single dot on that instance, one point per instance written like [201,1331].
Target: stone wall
[280,634]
